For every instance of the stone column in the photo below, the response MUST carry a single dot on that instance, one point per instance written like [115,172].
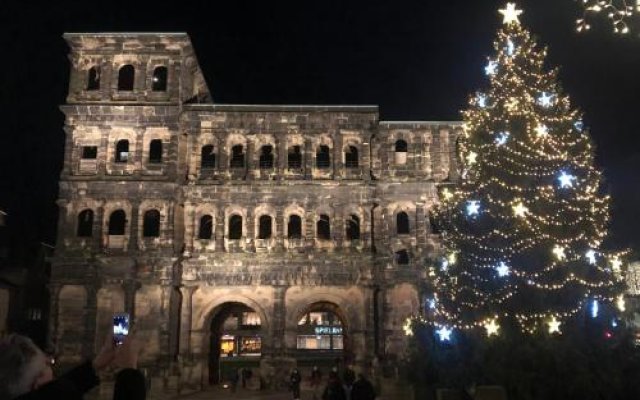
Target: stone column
[186,319]
[223,155]
[219,231]
[250,163]
[278,327]
[421,228]
[279,225]
[280,155]
[308,156]
[133,228]
[88,344]
[130,287]
[338,165]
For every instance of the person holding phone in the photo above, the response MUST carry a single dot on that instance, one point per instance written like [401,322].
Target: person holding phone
[26,374]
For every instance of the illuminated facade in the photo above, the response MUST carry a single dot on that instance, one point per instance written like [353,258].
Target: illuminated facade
[269,235]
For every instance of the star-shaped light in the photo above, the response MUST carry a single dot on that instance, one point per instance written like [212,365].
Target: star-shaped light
[407,327]
[503,269]
[444,334]
[502,137]
[473,207]
[511,47]
[431,303]
[595,308]
[444,266]
[472,158]
[492,327]
[512,104]
[566,180]
[545,100]
[510,14]
[591,256]
[554,325]
[616,264]
[559,252]
[579,125]
[520,210]
[482,100]
[446,193]
[491,68]
[620,303]
[542,131]
[452,258]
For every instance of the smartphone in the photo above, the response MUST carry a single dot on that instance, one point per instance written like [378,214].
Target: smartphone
[120,327]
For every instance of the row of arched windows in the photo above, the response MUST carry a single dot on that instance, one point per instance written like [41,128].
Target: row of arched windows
[118,223]
[265,227]
[266,158]
[126,78]
[121,153]
[151,225]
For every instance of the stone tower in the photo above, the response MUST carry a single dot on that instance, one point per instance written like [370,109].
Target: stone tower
[235,235]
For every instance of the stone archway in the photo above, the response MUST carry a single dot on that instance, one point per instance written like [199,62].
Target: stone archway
[235,336]
[323,335]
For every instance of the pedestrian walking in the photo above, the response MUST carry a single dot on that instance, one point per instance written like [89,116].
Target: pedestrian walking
[362,389]
[316,381]
[294,383]
[334,389]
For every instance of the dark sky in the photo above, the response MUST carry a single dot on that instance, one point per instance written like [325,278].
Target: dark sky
[417,60]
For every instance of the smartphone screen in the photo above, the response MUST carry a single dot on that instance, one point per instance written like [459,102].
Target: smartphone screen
[120,327]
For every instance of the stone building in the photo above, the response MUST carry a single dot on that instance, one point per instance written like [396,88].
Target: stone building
[265,236]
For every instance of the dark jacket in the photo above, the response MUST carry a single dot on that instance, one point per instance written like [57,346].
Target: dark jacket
[334,391]
[75,383]
[363,390]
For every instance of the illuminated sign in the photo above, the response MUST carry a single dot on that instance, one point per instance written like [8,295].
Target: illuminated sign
[328,330]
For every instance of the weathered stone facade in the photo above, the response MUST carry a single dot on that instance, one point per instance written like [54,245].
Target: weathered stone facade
[278,208]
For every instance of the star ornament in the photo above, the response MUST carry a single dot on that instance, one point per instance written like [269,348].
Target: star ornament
[545,100]
[492,327]
[566,180]
[542,131]
[444,334]
[491,68]
[473,207]
[591,256]
[520,210]
[554,326]
[559,252]
[510,14]
[502,269]
[502,138]
[472,157]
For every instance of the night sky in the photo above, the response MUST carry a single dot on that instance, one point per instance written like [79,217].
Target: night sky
[417,60]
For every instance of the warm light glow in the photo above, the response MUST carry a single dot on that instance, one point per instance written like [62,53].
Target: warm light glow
[559,252]
[510,14]
[542,131]
[620,303]
[407,327]
[519,210]
[492,327]
[554,326]
[472,157]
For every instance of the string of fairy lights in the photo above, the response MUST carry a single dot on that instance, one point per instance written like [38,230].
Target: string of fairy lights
[527,220]
[619,12]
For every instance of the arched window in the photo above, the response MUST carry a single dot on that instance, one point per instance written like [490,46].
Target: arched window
[93,79]
[207,156]
[320,329]
[353,227]
[155,151]
[402,223]
[294,158]
[126,77]
[402,257]
[85,223]
[323,157]
[159,79]
[351,157]
[323,228]
[122,151]
[294,227]
[117,222]
[205,230]
[237,156]
[235,227]
[266,157]
[401,152]
[264,227]
[151,223]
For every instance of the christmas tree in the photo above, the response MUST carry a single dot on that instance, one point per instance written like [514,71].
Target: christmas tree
[523,231]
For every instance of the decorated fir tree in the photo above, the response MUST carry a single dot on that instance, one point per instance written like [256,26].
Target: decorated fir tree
[523,231]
